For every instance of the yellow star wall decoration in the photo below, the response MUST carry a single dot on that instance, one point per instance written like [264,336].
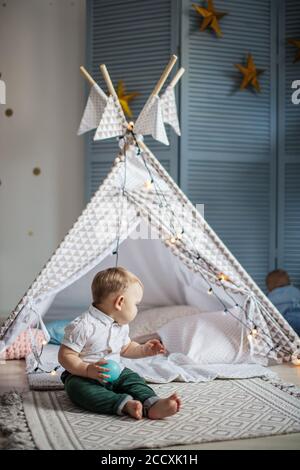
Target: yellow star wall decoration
[296,43]
[250,74]
[210,17]
[125,98]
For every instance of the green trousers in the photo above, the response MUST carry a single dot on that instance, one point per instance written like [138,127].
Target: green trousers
[111,397]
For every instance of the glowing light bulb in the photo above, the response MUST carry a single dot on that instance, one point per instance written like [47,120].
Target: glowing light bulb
[223,277]
[179,236]
[295,359]
[173,240]
[44,342]
[148,184]
[254,332]
[130,126]
[53,372]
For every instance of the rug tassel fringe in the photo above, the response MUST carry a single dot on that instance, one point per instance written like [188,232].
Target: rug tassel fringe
[289,388]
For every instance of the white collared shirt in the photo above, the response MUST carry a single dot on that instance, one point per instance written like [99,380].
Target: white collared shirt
[95,335]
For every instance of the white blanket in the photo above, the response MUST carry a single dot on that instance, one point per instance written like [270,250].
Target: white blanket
[164,369]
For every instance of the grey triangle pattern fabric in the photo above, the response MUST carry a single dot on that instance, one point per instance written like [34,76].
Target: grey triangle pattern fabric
[92,237]
[93,111]
[199,238]
[115,210]
[113,122]
[169,109]
[151,122]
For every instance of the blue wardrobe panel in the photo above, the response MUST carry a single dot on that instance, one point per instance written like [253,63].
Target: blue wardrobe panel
[228,144]
[239,153]
[289,144]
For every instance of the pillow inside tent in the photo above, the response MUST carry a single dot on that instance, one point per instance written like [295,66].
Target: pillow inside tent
[22,346]
[208,338]
[146,323]
[56,330]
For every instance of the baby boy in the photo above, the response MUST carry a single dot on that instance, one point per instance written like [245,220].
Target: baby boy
[102,333]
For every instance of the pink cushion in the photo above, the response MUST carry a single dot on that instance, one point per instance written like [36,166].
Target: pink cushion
[22,345]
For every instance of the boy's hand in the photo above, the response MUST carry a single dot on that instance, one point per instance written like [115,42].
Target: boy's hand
[96,372]
[153,347]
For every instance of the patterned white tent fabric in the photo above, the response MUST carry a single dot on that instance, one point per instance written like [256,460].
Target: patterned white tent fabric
[94,109]
[125,200]
[169,109]
[151,121]
[198,248]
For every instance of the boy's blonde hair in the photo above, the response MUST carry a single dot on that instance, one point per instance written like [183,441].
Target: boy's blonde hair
[277,278]
[112,280]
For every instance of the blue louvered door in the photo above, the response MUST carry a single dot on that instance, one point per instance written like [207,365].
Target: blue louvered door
[289,144]
[135,39]
[239,153]
[228,144]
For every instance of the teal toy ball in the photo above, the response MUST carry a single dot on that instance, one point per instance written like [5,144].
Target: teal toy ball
[114,370]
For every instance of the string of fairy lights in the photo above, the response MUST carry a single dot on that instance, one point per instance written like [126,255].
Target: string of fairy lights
[254,329]
[177,236]
[38,367]
[253,332]
[120,217]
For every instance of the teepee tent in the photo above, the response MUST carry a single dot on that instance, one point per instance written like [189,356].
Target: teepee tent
[142,220]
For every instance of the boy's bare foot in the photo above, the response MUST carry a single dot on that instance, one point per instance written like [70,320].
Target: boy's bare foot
[165,407]
[134,408]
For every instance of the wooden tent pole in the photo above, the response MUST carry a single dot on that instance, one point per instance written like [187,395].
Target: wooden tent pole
[87,75]
[158,87]
[112,91]
[164,76]
[108,81]
[177,77]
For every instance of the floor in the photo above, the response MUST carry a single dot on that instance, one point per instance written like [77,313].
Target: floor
[13,377]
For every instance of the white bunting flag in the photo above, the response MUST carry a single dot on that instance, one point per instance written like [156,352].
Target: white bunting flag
[150,121]
[113,122]
[94,109]
[169,109]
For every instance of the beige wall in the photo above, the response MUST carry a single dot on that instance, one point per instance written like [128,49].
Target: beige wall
[42,45]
